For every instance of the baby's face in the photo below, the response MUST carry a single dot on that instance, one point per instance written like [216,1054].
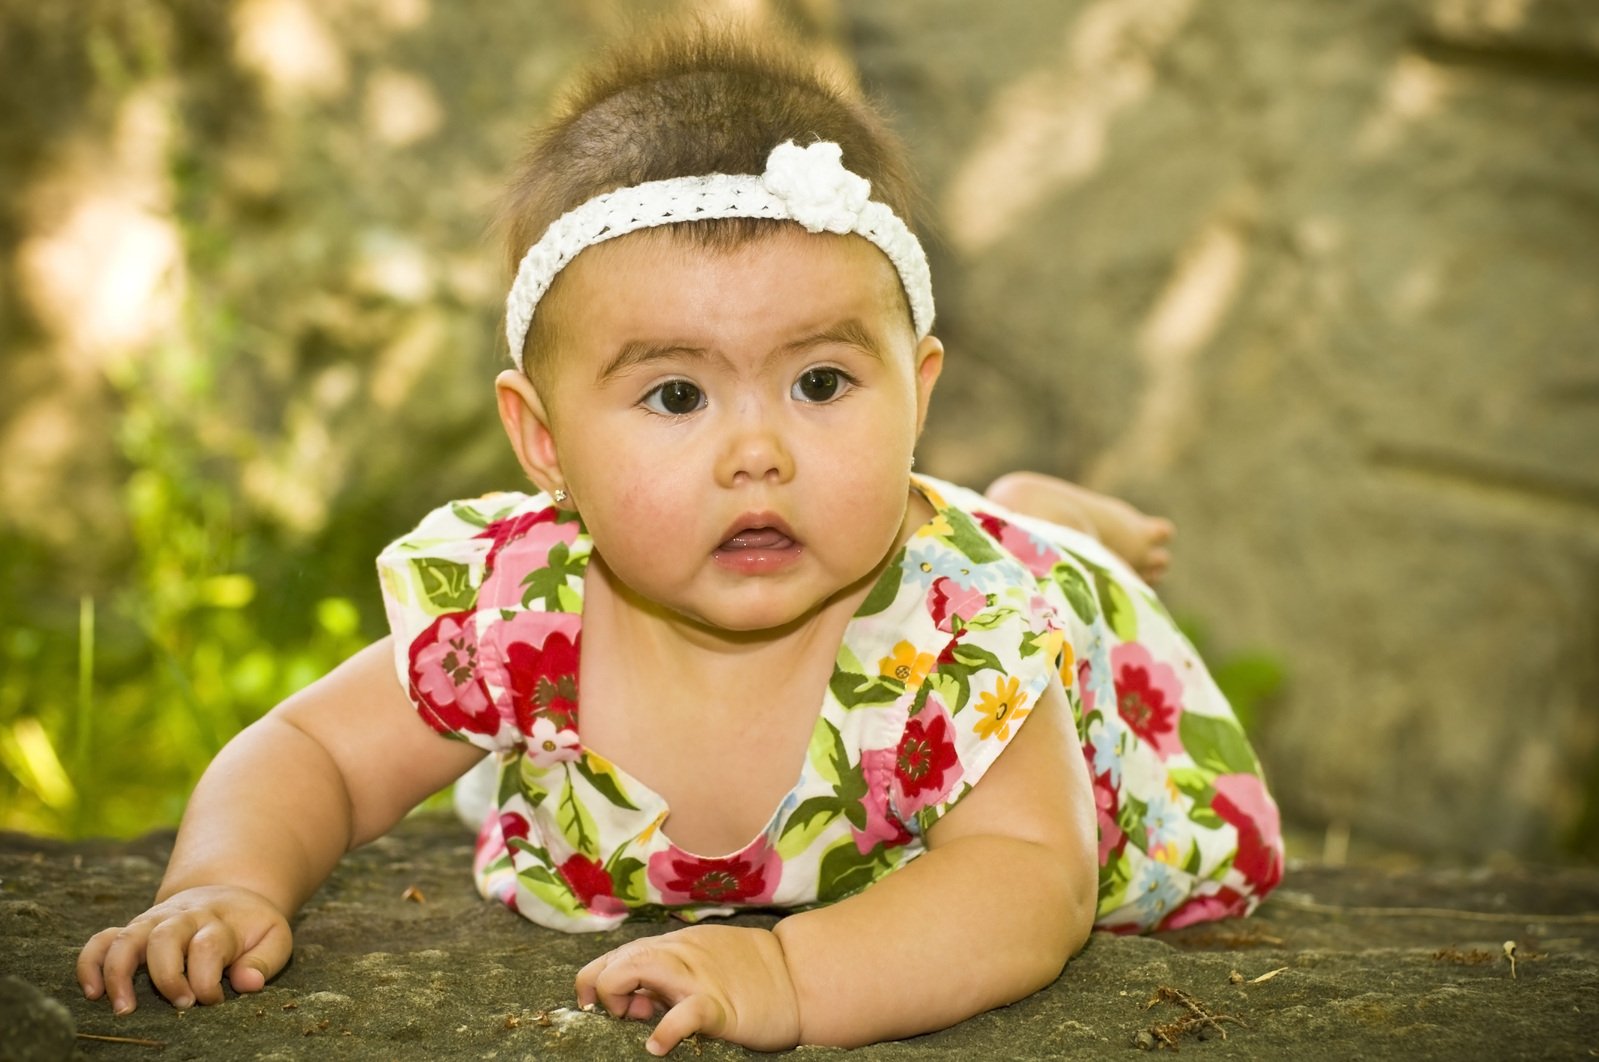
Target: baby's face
[736,427]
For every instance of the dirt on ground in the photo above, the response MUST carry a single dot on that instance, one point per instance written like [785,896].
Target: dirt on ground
[398,957]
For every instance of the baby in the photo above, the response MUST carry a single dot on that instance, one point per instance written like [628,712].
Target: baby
[942,734]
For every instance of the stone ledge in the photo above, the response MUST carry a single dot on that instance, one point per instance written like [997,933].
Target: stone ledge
[1372,963]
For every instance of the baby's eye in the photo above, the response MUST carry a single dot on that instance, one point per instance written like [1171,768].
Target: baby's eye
[820,385]
[675,398]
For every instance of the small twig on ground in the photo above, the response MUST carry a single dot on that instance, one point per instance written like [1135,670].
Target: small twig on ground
[159,1045]
[1510,953]
[1198,1019]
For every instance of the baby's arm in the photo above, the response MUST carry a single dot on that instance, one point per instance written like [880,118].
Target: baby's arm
[1004,896]
[330,768]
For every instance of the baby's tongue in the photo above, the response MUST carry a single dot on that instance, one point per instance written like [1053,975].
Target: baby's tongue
[758,538]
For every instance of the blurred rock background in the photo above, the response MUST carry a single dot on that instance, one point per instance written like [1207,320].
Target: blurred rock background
[1319,280]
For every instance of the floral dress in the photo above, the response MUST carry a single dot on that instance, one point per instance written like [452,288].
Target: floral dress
[938,670]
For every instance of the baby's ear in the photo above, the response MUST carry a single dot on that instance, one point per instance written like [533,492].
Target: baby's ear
[929,362]
[527,425]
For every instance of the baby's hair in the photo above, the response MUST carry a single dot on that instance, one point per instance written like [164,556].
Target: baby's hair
[686,101]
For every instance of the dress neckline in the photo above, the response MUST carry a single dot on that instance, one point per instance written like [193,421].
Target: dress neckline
[651,804]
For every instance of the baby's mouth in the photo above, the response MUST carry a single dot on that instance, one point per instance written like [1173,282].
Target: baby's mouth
[757,538]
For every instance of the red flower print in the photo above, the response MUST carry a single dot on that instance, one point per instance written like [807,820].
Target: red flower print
[446,680]
[1148,697]
[530,662]
[589,881]
[1243,803]
[946,655]
[925,763]
[513,825]
[948,600]
[1223,903]
[749,877]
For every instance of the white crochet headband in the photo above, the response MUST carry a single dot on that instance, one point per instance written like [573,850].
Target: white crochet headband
[809,185]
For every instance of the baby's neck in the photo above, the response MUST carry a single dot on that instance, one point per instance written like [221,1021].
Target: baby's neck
[676,652]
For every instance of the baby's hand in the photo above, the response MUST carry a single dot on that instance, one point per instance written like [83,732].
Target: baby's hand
[187,941]
[724,981]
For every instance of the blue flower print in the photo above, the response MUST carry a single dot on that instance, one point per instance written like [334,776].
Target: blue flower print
[1106,741]
[1163,821]
[1155,890]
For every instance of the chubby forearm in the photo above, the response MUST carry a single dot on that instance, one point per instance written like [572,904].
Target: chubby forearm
[271,814]
[976,924]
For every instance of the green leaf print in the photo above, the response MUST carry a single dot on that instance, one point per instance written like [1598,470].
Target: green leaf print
[603,778]
[969,539]
[1194,784]
[468,515]
[990,618]
[824,808]
[844,871]
[1119,612]
[1217,744]
[544,584]
[446,584]
[628,874]
[549,888]
[854,690]
[884,593]
[1075,587]
[575,822]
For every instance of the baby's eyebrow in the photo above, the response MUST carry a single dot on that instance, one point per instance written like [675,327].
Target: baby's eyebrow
[849,332]
[641,352]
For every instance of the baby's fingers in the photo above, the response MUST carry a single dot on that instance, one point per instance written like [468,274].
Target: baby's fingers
[260,963]
[91,978]
[109,961]
[696,1013]
[166,957]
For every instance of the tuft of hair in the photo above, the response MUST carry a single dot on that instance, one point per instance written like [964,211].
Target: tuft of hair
[687,100]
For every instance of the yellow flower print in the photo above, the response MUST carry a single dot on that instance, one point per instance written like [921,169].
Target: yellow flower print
[937,527]
[1005,705]
[906,665]
[1052,643]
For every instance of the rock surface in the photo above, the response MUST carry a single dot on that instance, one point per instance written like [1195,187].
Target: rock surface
[1342,963]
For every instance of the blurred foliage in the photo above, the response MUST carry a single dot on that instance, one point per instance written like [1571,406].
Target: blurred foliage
[108,717]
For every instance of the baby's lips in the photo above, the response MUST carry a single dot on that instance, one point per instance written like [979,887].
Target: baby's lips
[758,538]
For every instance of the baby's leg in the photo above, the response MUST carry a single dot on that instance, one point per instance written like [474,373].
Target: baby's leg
[1137,538]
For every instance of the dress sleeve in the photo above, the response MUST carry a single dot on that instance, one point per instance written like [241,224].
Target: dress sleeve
[474,597]
[991,642]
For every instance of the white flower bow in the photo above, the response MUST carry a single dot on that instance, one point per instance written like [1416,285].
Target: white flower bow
[813,183]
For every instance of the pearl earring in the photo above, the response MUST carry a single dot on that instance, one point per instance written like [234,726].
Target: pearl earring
[559,495]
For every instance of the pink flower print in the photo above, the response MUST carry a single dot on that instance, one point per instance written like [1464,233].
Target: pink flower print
[1111,838]
[548,744]
[926,765]
[530,661]
[947,600]
[1023,545]
[749,877]
[522,544]
[446,679]
[882,827]
[1148,697]
[1243,803]
[1085,684]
